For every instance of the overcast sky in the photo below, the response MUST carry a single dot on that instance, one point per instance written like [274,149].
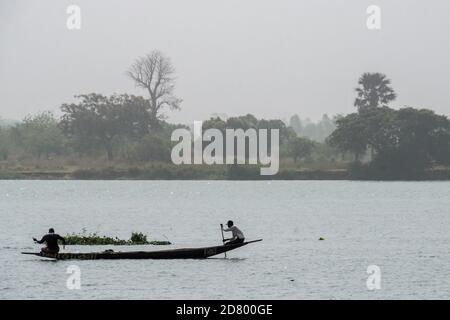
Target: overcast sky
[270,58]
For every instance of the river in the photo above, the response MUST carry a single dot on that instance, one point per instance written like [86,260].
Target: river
[401,228]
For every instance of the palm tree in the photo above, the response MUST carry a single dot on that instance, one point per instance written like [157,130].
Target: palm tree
[374,91]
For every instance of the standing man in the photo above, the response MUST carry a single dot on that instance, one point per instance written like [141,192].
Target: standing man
[238,236]
[51,241]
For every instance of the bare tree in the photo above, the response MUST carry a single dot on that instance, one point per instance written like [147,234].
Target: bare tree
[155,73]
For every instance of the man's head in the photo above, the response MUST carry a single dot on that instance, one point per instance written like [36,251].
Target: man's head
[230,223]
[51,230]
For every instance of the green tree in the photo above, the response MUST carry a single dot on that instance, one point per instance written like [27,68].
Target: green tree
[417,140]
[349,135]
[153,147]
[286,133]
[404,142]
[374,91]
[215,123]
[300,148]
[39,135]
[242,122]
[5,143]
[98,120]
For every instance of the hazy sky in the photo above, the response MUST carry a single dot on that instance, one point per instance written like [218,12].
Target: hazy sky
[270,58]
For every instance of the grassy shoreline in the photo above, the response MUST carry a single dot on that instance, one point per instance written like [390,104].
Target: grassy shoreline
[169,172]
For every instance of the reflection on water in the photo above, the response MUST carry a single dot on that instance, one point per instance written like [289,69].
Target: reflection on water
[401,227]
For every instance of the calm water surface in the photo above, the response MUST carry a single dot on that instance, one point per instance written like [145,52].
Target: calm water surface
[402,227]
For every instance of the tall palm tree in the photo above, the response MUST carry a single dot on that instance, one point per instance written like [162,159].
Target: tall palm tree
[374,91]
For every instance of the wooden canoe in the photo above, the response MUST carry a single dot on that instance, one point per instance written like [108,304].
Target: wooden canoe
[187,253]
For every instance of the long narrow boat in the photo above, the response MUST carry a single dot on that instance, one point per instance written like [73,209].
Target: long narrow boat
[188,253]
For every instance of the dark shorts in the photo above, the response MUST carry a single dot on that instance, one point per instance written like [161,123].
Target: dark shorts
[235,241]
[50,251]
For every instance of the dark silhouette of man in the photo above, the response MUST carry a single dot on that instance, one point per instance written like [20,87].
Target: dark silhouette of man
[51,242]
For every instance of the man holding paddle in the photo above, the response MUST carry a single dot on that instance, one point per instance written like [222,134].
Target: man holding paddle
[51,241]
[238,236]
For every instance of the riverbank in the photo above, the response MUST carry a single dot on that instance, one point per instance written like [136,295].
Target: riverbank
[192,172]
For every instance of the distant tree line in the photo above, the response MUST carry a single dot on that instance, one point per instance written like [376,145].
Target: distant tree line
[119,127]
[377,141]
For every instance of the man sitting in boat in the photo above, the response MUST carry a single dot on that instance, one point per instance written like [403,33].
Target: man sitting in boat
[238,236]
[51,241]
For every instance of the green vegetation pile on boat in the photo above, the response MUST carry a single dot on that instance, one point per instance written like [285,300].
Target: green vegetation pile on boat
[137,238]
[188,253]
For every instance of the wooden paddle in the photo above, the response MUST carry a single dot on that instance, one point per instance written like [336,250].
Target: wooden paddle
[223,238]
